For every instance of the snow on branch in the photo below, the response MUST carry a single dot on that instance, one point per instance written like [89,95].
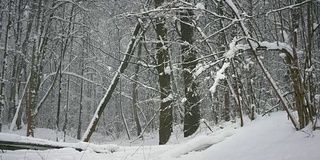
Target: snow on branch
[219,76]
[235,47]
[257,45]
[288,7]
[279,46]
[265,71]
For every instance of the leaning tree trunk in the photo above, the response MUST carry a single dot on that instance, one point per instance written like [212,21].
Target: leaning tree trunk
[162,57]
[105,100]
[189,58]
[261,65]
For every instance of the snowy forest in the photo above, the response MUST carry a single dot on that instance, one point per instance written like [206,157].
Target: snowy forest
[131,69]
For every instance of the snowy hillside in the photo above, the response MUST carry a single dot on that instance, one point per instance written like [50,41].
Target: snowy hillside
[267,138]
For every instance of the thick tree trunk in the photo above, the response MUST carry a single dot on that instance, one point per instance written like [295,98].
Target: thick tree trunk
[166,97]
[189,58]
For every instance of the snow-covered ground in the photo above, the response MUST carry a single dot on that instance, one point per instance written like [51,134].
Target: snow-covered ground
[266,138]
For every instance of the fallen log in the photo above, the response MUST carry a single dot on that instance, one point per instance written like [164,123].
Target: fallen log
[16,142]
[11,145]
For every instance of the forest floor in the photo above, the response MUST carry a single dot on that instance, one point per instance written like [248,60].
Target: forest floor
[271,137]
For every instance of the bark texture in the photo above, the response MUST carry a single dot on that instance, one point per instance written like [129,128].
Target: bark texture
[162,57]
[189,58]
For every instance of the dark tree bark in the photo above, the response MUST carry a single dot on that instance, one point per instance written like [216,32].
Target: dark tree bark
[162,57]
[226,102]
[304,109]
[189,58]
[35,71]
[41,37]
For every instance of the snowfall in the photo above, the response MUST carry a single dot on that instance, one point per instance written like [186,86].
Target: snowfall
[271,137]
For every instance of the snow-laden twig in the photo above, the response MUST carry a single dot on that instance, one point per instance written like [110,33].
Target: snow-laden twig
[288,7]
[219,76]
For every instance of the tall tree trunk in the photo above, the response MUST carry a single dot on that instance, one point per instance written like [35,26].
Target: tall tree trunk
[250,96]
[81,99]
[189,58]
[34,69]
[41,36]
[309,76]
[4,67]
[59,96]
[237,94]
[1,17]
[135,92]
[295,74]
[21,68]
[162,57]
[66,110]
[222,48]
[16,68]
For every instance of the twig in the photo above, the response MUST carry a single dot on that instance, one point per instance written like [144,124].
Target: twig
[207,125]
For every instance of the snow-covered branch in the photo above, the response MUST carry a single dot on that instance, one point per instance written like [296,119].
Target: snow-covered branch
[265,71]
[288,7]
